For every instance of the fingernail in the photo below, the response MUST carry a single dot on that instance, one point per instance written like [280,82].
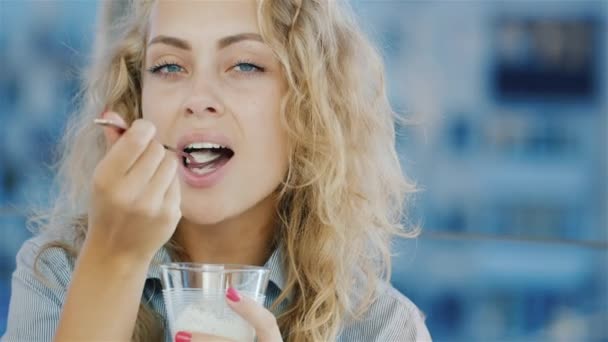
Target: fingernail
[233,295]
[183,336]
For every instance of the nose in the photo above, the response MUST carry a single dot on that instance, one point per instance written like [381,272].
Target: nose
[203,99]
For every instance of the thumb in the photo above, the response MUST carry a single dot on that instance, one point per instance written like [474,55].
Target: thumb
[113,133]
[263,321]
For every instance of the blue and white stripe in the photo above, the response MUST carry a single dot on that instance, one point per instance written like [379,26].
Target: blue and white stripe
[37,297]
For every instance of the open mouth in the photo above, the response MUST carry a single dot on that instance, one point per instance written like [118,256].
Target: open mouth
[207,157]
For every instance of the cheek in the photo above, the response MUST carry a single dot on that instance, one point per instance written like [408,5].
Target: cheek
[148,102]
[157,105]
[268,146]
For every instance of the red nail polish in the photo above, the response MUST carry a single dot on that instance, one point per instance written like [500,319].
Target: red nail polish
[233,295]
[183,336]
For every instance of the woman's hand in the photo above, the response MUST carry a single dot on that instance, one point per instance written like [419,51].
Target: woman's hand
[262,320]
[135,205]
[134,210]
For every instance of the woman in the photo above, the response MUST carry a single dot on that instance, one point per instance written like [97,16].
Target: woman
[284,101]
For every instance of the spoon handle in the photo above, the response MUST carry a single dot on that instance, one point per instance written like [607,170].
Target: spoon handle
[110,123]
[180,153]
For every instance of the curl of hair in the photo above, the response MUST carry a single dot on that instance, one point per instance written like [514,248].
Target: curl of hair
[342,199]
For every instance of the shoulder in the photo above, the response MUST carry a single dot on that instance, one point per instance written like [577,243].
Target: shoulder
[391,317]
[39,257]
[38,289]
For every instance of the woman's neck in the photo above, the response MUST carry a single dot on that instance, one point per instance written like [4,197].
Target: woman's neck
[244,239]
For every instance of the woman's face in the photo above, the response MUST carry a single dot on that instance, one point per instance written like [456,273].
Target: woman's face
[212,87]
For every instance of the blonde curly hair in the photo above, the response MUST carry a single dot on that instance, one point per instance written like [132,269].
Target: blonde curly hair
[342,199]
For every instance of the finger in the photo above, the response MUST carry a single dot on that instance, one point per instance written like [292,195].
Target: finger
[262,320]
[144,168]
[173,194]
[186,336]
[161,180]
[125,152]
[113,133]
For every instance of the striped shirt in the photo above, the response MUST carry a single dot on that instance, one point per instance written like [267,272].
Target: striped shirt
[36,299]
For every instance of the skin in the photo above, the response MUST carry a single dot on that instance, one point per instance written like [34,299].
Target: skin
[139,197]
[205,89]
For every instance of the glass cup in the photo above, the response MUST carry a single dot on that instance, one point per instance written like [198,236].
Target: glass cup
[195,297]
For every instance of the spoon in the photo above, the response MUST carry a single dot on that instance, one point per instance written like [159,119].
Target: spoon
[122,128]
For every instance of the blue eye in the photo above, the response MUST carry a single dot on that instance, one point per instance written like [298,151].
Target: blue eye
[172,68]
[166,68]
[247,67]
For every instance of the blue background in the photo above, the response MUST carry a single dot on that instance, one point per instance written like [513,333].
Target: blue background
[507,109]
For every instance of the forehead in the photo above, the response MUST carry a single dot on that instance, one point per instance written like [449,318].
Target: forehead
[193,19]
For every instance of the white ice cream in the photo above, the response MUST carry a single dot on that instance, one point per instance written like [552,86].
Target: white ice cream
[215,321]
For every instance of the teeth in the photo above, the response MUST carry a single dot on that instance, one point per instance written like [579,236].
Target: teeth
[200,145]
[203,156]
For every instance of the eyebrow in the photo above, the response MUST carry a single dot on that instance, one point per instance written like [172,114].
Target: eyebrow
[222,43]
[172,41]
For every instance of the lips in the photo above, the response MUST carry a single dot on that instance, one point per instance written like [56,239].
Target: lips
[197,137]
[203,146]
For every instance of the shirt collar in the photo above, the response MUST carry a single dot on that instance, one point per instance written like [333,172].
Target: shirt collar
[275,264]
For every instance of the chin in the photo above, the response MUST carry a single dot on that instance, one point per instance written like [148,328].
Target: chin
[204,207]
[204,216]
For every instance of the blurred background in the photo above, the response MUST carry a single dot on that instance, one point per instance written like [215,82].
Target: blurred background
[507,112]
